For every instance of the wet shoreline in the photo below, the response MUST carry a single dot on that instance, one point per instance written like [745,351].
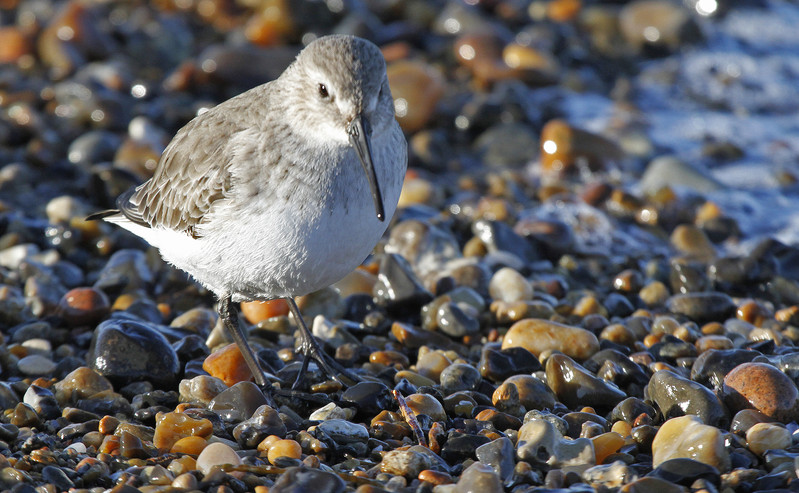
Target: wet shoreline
[590,285]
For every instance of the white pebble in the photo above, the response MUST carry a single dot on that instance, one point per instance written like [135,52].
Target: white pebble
[216,454]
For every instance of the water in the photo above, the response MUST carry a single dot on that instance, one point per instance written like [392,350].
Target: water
[737,89]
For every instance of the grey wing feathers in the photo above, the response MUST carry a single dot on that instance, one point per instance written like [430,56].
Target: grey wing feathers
[192,174]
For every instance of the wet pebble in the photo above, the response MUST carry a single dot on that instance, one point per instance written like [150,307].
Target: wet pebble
[575,386]
[508,285]
[477,477]
[228,365]
[416,88]
[702,307]
[498,454]
[127,350]
[458,377]
[540,441]
[767,436]
[761,387]
[538,335]
[238,402]
[499,364]
[688,437]
[677,396]
[83,306]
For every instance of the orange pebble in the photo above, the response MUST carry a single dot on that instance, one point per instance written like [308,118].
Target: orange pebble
[435,477]
[13,44]
[228,365]
[171,427]
[606,444]
[623,428]
[284,448]
[256,311]
[182,464]
[267,443]
[108,424]
[189,445]
[563,10]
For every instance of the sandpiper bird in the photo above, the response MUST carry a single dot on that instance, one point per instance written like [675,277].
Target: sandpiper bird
[281,190]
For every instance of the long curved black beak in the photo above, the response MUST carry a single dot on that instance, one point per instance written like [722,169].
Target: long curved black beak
[360,132]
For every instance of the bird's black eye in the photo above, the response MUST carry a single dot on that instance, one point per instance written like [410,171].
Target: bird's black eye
[323,91]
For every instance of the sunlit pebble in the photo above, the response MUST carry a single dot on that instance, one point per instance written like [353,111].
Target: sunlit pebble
[208,66]
[308,38]
[65,33]
[26,19]
[20,115]
[335,6]
[467,52]
[652,34]
[550,147]
[401,107]
[26,62]
[64,111]
[206,8]
[138,91]
[78,447]
[706,7]
[452,26]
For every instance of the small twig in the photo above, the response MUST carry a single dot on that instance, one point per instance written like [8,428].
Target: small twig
[410,417]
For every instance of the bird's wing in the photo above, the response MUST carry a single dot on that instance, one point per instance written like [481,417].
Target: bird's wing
[193,173]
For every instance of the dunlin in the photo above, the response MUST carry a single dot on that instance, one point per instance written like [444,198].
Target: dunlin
[281,190]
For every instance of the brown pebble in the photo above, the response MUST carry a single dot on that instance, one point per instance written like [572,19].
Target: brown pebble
[762,387]
[83,306]
[270,24]
[108,424]
[435,477]
[753,312]
[389,358]
[618,333]
[713,342]
[788,315]
[563,11]
[563,145]
[416,88]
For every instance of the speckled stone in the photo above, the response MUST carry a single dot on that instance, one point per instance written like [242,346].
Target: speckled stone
[762,387]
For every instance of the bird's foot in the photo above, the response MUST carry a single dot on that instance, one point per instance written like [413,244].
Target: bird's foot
[310,349]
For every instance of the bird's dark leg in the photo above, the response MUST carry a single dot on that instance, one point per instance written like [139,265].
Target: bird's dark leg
[309,347]
[231,321]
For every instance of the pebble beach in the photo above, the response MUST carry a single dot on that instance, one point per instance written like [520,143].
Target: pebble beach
[591,283]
